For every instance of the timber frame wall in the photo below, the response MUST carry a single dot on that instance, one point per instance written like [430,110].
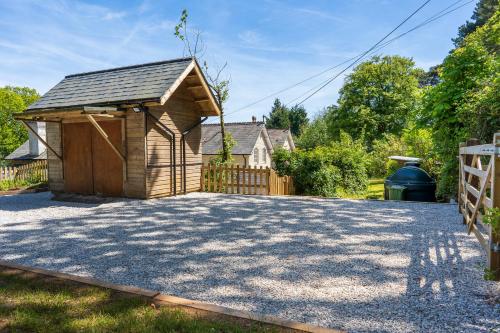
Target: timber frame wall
[178,114]
[154,131]
[147,149]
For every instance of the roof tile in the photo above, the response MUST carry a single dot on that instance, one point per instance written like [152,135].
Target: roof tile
[139,82]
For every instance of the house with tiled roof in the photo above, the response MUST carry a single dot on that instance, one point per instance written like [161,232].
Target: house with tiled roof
[281,138]
[31,150]
[253,146]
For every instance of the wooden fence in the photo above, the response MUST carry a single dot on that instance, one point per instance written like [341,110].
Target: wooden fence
[34,171]
[479,189]
[244,180]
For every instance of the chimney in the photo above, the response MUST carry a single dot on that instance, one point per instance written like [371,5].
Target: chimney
[254,119]
[36,147]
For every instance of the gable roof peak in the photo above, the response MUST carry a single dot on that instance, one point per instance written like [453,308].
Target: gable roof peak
[154,63]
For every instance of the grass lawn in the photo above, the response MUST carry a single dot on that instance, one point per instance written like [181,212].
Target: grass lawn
[9,185]
[31,303]
[375,191]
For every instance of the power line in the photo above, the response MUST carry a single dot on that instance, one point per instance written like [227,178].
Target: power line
[365,53]
[436,16]
[433,18]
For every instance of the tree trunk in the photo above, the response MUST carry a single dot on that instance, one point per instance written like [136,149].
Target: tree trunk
[225,152]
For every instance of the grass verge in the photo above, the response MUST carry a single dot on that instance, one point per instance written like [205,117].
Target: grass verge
[10,185]
[34,303]
[375,191]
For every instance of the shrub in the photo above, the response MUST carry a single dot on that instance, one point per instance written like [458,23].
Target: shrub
[388,145]
[351,158]
[415,142]
[391,166]
[282,161]
[326,170]
[419,143]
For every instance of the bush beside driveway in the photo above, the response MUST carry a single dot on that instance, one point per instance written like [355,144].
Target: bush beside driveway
[357,265]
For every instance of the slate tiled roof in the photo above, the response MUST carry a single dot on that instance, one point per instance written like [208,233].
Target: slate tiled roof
[278,137]
[245,134]
[132,83]
[23,153]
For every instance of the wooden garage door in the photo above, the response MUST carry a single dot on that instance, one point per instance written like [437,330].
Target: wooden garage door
[106,165]
[77,158]
[90,165]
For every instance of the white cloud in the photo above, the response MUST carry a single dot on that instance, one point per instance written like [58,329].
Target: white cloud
[114,15]
[319,14]
[250,37]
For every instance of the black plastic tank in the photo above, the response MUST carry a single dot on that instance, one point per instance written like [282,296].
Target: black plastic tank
[419,186]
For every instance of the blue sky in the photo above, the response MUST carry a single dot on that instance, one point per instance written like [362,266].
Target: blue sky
[267,44]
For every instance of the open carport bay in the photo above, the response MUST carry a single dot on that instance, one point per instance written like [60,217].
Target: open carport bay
[364,266]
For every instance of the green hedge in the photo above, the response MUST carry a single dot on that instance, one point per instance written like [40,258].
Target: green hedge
[327,170]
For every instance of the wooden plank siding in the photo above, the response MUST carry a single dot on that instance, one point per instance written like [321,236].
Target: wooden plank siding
[148,172]
[135,183]
[55,166]
[178,114]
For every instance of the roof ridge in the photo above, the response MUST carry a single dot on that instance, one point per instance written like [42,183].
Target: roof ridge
[237,123]
[130,67]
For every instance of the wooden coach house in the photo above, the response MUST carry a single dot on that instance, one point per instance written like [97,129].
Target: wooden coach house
[130,131]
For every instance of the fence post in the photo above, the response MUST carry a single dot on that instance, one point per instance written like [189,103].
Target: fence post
[261,182]
[209,177]
[220,178]
[470,160]
[202,179]
[238,179]
[460,185]
[244,180]
[494,256]
[269,173]
[272,189]
[254,171]
[232,178]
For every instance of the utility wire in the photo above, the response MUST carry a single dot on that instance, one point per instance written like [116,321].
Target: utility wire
[364,53]
[433,18]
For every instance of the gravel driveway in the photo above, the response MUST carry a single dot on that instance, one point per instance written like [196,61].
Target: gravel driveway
[364,266]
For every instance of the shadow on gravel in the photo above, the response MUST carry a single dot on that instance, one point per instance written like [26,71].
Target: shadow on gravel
[364,266]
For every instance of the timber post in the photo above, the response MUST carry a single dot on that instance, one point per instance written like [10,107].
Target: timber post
[494,255]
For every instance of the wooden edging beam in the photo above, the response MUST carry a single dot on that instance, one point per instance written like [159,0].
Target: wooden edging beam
[161,299]
[41,140]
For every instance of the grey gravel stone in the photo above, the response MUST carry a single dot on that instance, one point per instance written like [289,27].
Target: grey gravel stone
[363,266]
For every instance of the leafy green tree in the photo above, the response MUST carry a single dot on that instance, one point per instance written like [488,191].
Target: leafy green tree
[466,102]
[429,78]
[418,142]
[415,142]
[382,148]
[298,119]
[482,13]
[378,97]
[13,100]
[279,116]
[314,134]
[193,45]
